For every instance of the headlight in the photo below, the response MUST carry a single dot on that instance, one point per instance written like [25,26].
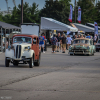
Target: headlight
[29,48]
[88,47]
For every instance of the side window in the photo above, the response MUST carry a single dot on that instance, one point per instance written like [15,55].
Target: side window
[34,40]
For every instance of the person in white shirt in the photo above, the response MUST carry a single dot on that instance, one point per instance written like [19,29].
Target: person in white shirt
[69,40]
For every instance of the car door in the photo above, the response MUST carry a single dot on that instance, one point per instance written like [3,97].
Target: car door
[35,47]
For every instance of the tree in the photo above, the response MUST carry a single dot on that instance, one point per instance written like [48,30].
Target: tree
[88,10]
[58,10]
[1,17]
[30,14]
[97,13]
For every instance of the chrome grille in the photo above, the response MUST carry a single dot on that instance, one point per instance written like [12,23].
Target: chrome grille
[18,51]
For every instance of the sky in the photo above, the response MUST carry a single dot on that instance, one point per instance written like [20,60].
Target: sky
[3,5]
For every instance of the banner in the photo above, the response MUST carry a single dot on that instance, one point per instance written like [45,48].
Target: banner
[79,15]
[70,15]
[95,28]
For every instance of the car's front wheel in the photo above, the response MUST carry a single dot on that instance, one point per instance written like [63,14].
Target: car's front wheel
[31,62]
[6,62]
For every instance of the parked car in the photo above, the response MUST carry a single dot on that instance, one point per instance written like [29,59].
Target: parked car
[97,45]
[82,46]
[24,48]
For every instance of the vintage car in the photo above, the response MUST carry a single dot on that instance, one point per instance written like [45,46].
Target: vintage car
[97,45]
[25,49]
[82,46]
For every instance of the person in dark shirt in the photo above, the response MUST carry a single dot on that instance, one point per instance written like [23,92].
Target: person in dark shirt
[58,42]
[64,43]
[53,42]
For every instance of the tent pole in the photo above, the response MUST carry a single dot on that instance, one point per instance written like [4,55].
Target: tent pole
[9,37]
[1,40]
[5,40]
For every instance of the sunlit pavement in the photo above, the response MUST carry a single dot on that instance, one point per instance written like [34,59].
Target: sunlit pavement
[59,77]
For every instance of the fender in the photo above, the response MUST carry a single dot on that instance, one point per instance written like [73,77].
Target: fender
[9,53]
[28,54]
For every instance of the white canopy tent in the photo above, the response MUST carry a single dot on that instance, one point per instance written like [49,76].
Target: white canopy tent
[51,24]
[84,27]
[92,25]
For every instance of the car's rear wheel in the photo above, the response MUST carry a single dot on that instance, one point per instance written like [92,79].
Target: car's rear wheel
[6,62]
[38,61]
[31,62]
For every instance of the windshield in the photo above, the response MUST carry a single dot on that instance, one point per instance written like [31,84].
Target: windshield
[81,41]
[98,41]
[98,36]
[22,39]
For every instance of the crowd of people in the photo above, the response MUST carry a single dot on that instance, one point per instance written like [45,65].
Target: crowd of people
[61,42]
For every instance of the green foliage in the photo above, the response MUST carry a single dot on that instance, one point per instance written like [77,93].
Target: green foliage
[58,10]
[30,14]
[1,17]
[88,10]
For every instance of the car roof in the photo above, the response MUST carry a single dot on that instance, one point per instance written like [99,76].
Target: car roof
[28,35]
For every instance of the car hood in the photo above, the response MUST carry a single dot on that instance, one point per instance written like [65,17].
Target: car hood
[80,45]
[22,44]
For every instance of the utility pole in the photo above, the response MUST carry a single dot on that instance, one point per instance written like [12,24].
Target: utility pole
[21,11]
[7,6]
[75,10]
[14,2]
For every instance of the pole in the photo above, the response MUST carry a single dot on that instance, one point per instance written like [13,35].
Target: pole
[21,11]
[75,11]
[1,40]
[5,40]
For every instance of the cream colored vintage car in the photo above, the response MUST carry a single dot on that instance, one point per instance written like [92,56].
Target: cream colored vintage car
[25,48]
[82,46]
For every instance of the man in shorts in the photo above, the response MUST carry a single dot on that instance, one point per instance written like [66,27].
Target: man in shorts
[58,42]
[53,42]
[63,43]
[41,42]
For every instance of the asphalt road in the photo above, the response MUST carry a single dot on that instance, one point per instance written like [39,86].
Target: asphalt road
[59,77]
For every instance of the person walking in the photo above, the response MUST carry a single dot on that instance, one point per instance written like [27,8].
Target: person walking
[79,36]
[69,40]
[53,42]
[95,39]
[61,49]
[58,42]
[64,43]
[88,36]
[41,42]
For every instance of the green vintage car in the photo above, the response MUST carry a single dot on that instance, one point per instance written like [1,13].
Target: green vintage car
[82,46]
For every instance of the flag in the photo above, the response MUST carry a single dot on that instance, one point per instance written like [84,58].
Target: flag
[70,15]
[95,28]
[79,15]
